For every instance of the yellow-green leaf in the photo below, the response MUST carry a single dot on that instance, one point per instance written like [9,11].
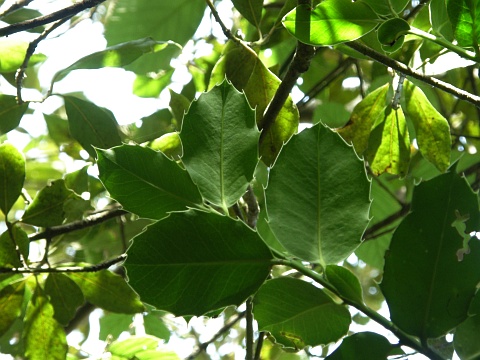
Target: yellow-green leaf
[12,176]
[431,128]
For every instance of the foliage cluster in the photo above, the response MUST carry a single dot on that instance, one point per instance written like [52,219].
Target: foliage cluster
[217,207]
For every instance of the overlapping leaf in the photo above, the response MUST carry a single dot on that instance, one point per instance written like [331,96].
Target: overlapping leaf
[315,186]
[330,23]
[65,297]
[250,9]
[431,128]
[12,176]
[220,144]
[345,282]
[430,273]
[244,69]
[465,19]
[299,314]
[193,262]
[363,346]
[146,182]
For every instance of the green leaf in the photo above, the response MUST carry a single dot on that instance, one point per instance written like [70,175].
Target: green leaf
[12,176]
[250,9]
[151,86]
[154,325]
[430,273]
[330,23]
[299,314]
[170,144]
[44,337]
[194,262]
[362,346]
[12,54]
[391,34]
[179,105]
[309,209]
[112,325]
[10,113]
[439,17]
[141,348]
[220,144]
[146,182]
[345,282]
[78,180]
[389,144]
[385,7]
[8,253]
[11,301]
[65,297]
[465,19]
[365,114]
[467,339]
[108,291]
[162,20]
[47,208]
[431,128]
[59,132]
[118,55]
[247,73]
[91,125]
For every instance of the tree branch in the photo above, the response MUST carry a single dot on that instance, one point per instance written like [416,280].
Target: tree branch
[402,68]
[67,12]
[74,269]
[225,30]
[14,7]
[77,225]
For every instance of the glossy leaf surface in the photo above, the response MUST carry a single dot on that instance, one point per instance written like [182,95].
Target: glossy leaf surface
[146,182]
[431,128]
[330,23]
[431,270]
[195,255]
[310,197]
[220,144]
[91,125]
[12,176]
[295,313]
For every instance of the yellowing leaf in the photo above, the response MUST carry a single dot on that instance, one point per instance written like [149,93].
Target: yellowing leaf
[431,128]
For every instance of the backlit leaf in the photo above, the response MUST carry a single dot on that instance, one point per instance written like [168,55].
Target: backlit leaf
[332,22]
[11,301]
[220,144]
[91,125]
[365,114]
[13,54]
[439,17]
[12,176]
[389,144]
[142,348]
[250,9]
[193,262]
[247,73]
[65,297]
[315,186]
[108,291]
[431,128]
[296,313]
[9,256]
[146,182]
[345,282]
[465,19]
[386,7]
[431,272]
[44,337]
[47,208]
[10,113]
[362,346]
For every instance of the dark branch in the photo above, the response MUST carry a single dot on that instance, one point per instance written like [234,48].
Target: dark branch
[77,225]
[74,269]
[371,232]
[402,68]
[67,12]
[225,30]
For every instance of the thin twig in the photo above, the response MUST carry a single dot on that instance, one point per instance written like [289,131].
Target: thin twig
[370,233]
[73,269]
[50,18]
[402,68]
[218,19]
[249,343]
[258,348]
[77,225]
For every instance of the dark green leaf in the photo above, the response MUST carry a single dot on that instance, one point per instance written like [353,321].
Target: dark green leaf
[11,301]
[108,291]
[431,270]
[345,282]
[65,297]
[389,144]
[146,182]
[391,32]
[154,325]
[362,346]
[112,325]
[465,20]
[332,22]
[44,337]
[250,9]
[365,114]
[78,180]
[467,339]
[220,144]
[243,68]
[309,209]
[299,314]
[47,208]
[12,176]
[194,262]
[431,128]
[91,125]
[9,256]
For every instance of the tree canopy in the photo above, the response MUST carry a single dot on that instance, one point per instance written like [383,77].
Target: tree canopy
[317,173]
